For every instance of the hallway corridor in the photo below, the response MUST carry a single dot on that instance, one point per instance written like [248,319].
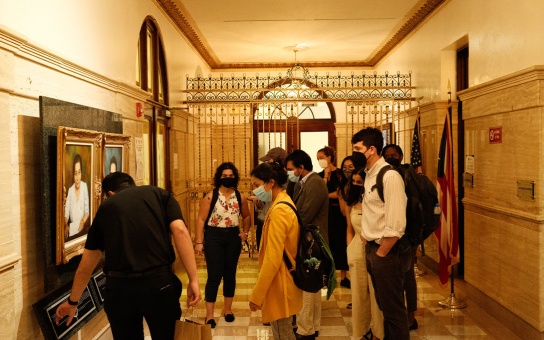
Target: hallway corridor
[434,321]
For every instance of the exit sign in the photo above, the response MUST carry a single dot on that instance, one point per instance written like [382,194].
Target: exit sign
[495,135]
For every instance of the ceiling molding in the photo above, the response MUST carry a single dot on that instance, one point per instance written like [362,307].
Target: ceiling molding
[412,22]
[176,11]
[182,19]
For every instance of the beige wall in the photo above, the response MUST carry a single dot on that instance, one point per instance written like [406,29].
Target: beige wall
[84,52]
[57,49]
[504,239]
[501,38]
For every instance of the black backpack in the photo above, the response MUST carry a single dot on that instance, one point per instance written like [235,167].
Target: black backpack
[422,208]
[313,262]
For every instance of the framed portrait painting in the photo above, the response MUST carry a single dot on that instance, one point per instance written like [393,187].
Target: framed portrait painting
[79,164]
[116,153]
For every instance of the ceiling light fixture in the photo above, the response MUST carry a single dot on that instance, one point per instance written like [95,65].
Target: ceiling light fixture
[292,73]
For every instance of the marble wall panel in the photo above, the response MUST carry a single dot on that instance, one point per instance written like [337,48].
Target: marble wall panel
[502,259]
[498,167]
[504,248]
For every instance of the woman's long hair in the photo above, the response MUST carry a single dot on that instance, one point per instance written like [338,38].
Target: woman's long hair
[354,196]
[344,181]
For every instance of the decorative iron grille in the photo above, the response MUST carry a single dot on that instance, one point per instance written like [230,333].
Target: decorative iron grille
[318,87]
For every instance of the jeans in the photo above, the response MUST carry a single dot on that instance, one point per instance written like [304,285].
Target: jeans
[222,247]
[387,275]
[127,301]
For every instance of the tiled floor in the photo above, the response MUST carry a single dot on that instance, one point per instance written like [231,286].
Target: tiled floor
[434,322]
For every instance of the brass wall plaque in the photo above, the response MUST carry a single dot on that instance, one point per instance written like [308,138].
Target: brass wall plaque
[526,189]
[468,180]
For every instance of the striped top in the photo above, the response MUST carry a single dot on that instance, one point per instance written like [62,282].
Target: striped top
[383,219]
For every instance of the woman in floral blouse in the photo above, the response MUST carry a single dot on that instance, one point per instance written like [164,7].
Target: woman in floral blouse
[222,212]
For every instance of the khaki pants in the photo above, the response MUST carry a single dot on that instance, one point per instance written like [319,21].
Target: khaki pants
[282,329]
[309,317]
[365,312]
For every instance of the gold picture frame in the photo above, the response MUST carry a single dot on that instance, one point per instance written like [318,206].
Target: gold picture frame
[116,153]
[79,192]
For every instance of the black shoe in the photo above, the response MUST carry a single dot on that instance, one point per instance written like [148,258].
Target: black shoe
[345,283]
[229,317]
[349,306]
[316,334]
[211,322]
[414,325]
[266,324]
[305,337]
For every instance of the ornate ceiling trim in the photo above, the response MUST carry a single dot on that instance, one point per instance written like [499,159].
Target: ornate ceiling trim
[175,10]
[426,8]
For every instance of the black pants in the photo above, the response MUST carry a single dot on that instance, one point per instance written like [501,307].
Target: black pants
[222,247]
[259,232]
[387,274]
[156,298]
[410,284]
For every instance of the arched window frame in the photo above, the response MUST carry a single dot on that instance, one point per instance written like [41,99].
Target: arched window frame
[304,124]
[152,77]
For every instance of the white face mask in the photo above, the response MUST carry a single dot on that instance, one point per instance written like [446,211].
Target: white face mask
[262,194]
[292,177]
[323,163]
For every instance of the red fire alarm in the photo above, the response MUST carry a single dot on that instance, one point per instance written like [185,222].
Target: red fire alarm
[495,135]
[139,110]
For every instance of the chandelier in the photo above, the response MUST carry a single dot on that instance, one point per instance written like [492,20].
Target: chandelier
[292,76]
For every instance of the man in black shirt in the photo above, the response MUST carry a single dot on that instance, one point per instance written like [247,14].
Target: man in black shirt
[134,227]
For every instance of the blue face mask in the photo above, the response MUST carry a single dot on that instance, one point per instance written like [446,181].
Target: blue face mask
[292,177]
[262,194]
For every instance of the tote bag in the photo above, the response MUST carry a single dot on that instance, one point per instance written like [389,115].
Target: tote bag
[187,329]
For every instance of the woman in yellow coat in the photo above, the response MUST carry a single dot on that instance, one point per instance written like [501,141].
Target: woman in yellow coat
[275,293]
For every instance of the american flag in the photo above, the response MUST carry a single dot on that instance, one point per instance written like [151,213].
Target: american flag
[415,156]
[447,233]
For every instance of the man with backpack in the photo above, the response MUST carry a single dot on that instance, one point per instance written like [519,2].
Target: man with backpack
[388,254]
[311,198]
[393,155]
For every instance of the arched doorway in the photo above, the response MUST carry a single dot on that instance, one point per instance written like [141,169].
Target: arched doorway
[281,119]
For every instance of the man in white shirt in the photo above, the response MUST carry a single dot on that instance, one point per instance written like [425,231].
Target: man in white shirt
[388,254]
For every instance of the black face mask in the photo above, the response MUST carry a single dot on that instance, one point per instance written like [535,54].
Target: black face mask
[355,194]
[393,161]
[228,182]
[358,159]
